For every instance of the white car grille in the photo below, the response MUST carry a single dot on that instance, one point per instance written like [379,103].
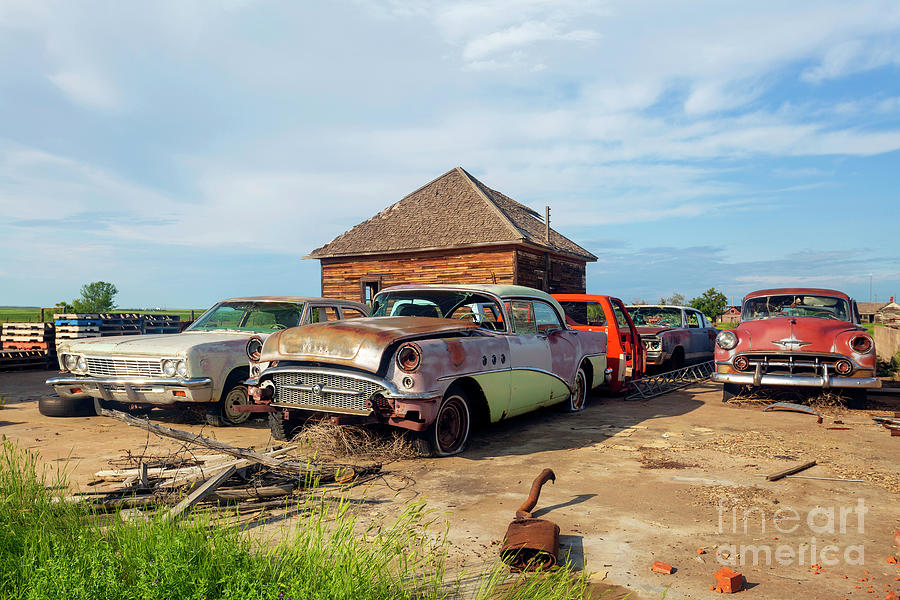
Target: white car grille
[124,367]
[323,391]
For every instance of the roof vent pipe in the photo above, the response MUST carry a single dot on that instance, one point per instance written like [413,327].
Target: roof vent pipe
[547,224]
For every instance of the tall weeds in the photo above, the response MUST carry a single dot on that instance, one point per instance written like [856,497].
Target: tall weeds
[55,549]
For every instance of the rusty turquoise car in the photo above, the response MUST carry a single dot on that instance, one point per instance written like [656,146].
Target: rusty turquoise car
[432,359]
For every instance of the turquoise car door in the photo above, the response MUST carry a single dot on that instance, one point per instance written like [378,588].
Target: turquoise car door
[529,357]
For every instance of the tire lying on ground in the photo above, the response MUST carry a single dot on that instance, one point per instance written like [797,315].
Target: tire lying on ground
[66,407]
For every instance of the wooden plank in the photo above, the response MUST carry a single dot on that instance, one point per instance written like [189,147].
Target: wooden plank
[192,438]
[791,471]
[199,494]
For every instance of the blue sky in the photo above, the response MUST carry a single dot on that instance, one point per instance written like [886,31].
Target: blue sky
[189,151]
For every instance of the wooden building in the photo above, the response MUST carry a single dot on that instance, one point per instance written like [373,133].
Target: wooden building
[879,312]
[452,230]
[732,314]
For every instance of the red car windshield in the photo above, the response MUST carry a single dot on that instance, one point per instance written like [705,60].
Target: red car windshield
[795,305]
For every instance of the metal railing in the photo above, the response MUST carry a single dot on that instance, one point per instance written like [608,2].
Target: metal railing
[651,386]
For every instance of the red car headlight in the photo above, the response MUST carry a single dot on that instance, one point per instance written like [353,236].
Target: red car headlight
[409,357]
[726,340]
[861,344]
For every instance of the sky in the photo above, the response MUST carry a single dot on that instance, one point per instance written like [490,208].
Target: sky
[192,151]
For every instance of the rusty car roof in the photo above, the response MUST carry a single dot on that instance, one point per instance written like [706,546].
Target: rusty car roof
[798,290]
[500,290]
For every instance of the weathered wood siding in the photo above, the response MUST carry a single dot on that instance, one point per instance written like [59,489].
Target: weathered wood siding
[341,277]
[565,276]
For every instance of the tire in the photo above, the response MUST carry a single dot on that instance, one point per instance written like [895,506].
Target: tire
[66,407]
[578,398]
[449,433]
[730,390]
[283,429]
[222,413]
[141,411]
[677,361]
[855,399]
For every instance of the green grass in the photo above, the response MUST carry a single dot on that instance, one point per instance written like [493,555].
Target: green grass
[51,549]
[725,325]
[870,327]
[13,314]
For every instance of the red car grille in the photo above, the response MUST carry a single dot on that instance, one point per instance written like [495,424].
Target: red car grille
[791,363]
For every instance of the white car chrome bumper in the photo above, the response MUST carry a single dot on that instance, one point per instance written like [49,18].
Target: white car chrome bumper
[146,390]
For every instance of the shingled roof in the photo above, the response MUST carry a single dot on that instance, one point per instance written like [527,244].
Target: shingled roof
[455,210]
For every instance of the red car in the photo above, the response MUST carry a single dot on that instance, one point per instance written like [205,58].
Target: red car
[801,337]
[625,354]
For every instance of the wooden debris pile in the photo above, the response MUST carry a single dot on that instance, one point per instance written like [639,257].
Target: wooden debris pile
[230,475]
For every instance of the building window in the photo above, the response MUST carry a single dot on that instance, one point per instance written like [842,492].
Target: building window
[367,290]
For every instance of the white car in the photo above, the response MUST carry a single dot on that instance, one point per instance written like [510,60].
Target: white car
[206,365]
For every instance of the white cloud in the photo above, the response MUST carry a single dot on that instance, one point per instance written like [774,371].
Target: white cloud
[86,87]
[853,56]
[522,35]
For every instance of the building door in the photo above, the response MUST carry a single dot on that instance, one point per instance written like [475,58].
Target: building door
[367,290]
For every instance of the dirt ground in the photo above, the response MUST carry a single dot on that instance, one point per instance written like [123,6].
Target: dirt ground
[636,482]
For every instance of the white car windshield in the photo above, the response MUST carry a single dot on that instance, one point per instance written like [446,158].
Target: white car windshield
[255,317]
[795,305]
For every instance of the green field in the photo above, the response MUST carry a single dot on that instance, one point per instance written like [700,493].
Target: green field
[27,314]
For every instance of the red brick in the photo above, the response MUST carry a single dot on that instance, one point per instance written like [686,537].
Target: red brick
[728,581]
[661,567]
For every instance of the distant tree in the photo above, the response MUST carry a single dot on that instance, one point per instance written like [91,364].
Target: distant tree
[675,299]
[98,296]
[638,302]
[711,303]
[64,307]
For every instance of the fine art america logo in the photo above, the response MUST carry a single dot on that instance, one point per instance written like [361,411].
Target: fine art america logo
[826,522]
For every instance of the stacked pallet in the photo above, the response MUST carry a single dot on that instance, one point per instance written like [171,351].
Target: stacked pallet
[76,326]
[27,336]
[161,324]
[24,359]
[82,325]
[121,324]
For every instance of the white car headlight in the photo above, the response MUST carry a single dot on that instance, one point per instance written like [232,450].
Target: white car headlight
[169,368]
[70,360]
[181,368]
[726,340]
[81,364]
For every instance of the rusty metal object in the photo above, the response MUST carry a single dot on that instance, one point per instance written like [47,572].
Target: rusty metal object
[524,511]
[531,544]
[357,343]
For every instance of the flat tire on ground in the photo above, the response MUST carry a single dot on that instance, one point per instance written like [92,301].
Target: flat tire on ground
[578,398]
[283,429]
[55,406]
[449,433]
[730,390]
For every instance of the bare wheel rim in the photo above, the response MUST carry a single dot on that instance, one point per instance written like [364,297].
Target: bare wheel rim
[578,394]
[236,397]
[452,425]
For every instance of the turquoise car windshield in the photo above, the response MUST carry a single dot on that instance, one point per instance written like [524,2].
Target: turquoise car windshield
[255,317]
[441,304]
[795,305]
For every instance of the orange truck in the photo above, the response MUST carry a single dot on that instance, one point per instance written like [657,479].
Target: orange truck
[625,353]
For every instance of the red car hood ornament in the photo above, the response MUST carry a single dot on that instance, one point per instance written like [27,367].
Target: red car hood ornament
[790,343]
